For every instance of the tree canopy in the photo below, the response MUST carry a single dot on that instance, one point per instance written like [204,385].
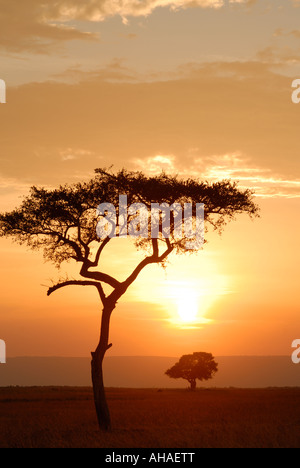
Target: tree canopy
[62,222]
[199,365]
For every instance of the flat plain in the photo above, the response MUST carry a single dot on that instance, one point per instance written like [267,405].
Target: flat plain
[64,417]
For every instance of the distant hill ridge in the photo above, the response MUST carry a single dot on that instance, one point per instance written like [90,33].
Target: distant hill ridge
[148,372]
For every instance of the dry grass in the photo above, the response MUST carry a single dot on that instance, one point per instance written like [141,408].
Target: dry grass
[65,417]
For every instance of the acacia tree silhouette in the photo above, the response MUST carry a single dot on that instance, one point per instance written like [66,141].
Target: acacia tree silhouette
[201,366]
[62,222]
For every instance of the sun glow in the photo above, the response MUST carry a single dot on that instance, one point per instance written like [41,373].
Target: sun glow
[189,307]
[185,295]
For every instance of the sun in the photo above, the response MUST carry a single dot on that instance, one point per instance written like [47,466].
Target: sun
[187,306]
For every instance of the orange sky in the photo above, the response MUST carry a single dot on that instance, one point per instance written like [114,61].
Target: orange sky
[156,85]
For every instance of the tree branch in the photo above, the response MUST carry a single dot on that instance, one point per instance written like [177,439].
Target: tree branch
[99,276]
[155,247]
[99,252]
[155,258]
[84,245]
[73,244]
[78,283]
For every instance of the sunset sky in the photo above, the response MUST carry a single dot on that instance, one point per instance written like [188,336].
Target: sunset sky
[198,88]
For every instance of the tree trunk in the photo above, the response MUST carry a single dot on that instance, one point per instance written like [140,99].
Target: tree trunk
[193,384]
[101,406]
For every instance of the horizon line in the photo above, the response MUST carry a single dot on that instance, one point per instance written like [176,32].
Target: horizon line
[144,356]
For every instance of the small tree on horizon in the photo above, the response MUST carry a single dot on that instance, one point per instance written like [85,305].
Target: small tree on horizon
[63,223]
[199,365]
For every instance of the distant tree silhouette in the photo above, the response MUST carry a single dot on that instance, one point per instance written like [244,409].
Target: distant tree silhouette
[62,222]
[191,367]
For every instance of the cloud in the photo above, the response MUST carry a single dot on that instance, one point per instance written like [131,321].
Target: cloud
[69,154]
[156,164]
[11,192]
[99,10]
[225,120]
[238,167]
[92,10]
[28,26]
[36,27]
[235,166]
[284,49]
[114,71]
[279,55]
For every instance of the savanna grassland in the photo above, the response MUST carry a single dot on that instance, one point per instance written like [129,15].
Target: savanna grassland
[64,417]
